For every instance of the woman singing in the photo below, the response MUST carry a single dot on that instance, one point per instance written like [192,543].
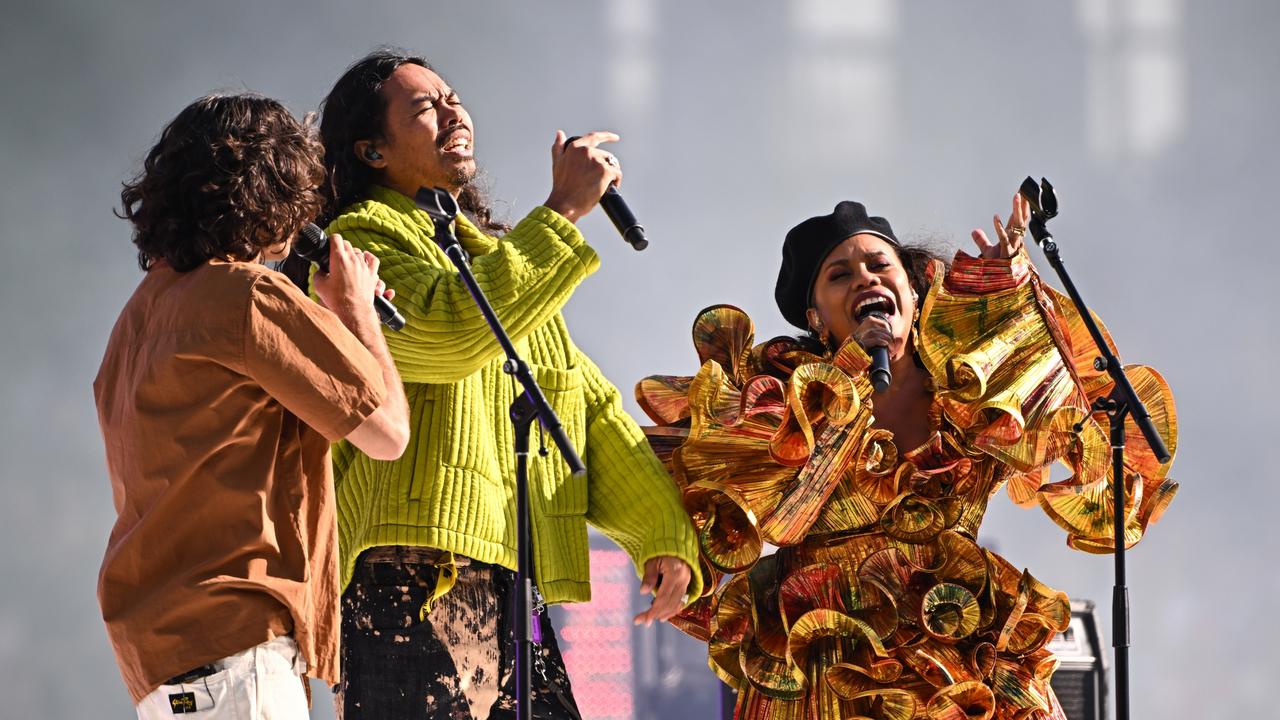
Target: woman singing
[879,603]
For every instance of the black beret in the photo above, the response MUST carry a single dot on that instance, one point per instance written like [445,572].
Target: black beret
[808,244]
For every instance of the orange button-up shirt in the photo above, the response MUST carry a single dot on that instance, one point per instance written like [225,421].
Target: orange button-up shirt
[219,393]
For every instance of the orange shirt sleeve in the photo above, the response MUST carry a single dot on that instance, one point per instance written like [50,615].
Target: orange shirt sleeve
[305,358]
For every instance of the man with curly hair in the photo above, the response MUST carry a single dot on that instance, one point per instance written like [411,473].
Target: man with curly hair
[219,393]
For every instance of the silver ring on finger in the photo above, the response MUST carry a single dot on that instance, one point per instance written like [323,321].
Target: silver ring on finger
[611,160]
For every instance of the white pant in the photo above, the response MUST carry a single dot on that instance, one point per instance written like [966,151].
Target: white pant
[264,682]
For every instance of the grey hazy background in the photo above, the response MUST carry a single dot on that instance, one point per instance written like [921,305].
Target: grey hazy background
[1154,118]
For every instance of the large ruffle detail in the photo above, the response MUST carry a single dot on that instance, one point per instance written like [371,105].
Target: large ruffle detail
[764,437]
[1015,370]
[914,632]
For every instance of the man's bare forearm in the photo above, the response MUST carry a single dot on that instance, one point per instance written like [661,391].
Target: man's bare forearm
[363,323]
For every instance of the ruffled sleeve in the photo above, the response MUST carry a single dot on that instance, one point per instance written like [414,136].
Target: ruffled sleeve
[1013,366]
[759,440]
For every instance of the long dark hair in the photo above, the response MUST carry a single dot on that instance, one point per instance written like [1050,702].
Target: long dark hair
[355,110]
[230,176]
[915,259]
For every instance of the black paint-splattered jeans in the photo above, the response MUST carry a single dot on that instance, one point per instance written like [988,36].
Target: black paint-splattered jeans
[458,663]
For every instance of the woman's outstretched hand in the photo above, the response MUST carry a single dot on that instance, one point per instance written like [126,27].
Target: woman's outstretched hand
[1009,237]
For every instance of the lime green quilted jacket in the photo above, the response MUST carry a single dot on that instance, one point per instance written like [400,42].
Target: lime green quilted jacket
[454,487]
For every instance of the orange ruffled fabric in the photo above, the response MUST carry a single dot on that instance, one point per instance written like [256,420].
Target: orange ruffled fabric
[878,602]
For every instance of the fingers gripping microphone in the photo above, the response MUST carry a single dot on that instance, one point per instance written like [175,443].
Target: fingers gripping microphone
[313,244]
[880,375]
[619,214]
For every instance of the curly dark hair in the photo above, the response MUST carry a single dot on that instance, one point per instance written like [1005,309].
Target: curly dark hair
[356,110]
[230,176]
[915,259]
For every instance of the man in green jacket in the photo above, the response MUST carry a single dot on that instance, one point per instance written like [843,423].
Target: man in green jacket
[428,544]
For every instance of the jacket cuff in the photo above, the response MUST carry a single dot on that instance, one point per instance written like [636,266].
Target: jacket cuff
[970,275]
[542,221]
[558,224]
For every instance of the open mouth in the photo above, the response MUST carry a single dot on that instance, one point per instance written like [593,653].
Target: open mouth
[873,303]
[458,143]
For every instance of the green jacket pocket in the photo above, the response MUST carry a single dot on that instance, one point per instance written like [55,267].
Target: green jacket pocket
[551,485]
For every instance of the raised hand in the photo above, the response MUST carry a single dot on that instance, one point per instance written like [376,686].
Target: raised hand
[580,173]
[1008,237]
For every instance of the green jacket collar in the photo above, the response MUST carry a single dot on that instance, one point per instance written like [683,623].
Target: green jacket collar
[473,240]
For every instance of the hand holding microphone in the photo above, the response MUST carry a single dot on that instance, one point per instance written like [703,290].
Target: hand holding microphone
[312,244]
[582,175]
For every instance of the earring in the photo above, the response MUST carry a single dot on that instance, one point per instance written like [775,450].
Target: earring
[823,333]
[371,154]
[914,337]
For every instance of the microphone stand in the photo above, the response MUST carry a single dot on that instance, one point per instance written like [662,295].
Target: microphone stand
[529,406]
[1123,402]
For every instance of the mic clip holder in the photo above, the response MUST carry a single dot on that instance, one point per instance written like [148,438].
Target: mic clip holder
[531,405]
[442,208]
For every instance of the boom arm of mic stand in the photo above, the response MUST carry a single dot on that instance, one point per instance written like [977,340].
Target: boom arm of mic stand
[1107,359]
[442,209]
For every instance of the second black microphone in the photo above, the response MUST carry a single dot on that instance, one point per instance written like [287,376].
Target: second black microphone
[313,244]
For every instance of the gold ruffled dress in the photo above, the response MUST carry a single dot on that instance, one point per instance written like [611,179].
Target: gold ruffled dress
[878,602]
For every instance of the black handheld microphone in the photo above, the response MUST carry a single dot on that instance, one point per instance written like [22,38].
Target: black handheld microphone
[621,216]
[880,375]
[312,244]
[623,219]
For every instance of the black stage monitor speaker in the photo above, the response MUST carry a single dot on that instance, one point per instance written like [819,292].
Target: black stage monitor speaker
[1081,680]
